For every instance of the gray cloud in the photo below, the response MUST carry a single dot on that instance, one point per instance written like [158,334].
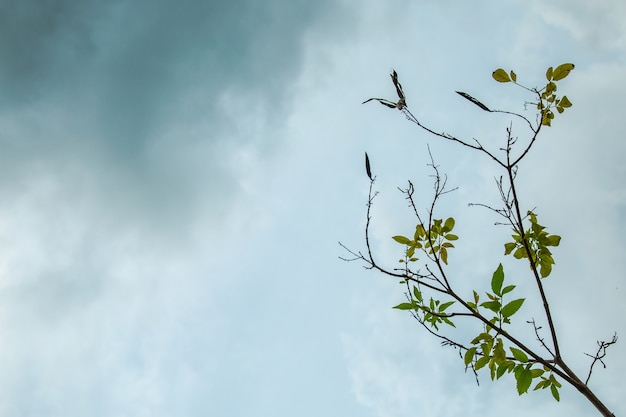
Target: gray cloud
[119,153]
[123,100]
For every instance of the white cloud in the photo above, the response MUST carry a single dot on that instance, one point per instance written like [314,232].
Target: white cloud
[596,26]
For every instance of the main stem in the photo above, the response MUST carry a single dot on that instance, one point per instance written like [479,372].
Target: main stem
[544,300]
[575,381]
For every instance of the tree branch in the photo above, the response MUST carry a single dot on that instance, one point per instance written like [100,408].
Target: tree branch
[600,354]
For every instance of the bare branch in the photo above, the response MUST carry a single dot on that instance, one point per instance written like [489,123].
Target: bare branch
[600,354]
[539,338]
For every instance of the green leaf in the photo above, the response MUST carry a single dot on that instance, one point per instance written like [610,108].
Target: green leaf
[562,71]
[417,293]
[486,347]
[549,74]
[420,232]
[483,336]
[554,240]
[508,247]
[519,354]
[444,306]
[555,392]
[497,280]
[469,355]
[512,307]
[524,379]
[513,76]
[546,120]
[447,321]
[554,381]
[402,240]
[508,289]
[450,236]
[448,225]
[564,102]
[520,253]
[406,306]
[492,305]
[499,355]
[545,269]
[501,76]
[502,368]
[443,253]
[492,368]
[481,362]
[543,384]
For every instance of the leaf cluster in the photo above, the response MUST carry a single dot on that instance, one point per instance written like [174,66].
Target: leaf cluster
[503,312]
[488,350]
[434,311]
[534,243]
[548,99]
[434,241]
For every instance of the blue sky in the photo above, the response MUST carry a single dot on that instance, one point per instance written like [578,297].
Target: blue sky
[175,177]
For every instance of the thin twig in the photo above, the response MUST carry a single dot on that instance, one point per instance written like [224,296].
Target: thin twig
[539,338]
[600,354]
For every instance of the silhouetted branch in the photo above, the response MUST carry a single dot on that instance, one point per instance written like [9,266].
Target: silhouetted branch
[600,354]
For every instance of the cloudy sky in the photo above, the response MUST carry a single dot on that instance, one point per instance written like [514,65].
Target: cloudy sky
[175,178]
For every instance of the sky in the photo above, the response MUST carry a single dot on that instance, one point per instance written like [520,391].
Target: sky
[175,178]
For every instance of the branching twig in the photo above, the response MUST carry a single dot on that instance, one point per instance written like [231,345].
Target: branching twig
[600,354]
[539,338]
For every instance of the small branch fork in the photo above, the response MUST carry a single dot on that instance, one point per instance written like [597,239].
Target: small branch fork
[600,354]
[434,276]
